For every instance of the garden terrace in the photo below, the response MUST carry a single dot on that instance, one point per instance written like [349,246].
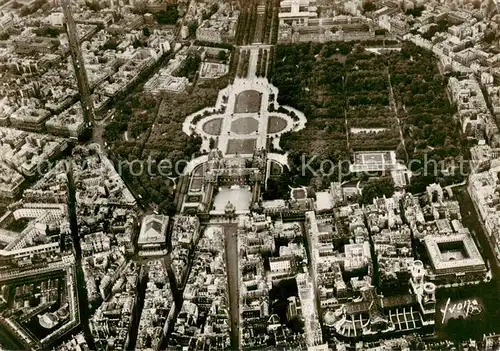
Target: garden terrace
[248,101]
[245,118]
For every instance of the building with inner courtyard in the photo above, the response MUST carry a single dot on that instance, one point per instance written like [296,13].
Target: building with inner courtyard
[454,259]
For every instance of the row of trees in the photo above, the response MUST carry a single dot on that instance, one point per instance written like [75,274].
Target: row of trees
[372,141]
[367,92]
[247,22]
[271,17]
[234,64]
[243,63]
[371,116]
[270,65]
[262,63]
[213,45]
[372,99]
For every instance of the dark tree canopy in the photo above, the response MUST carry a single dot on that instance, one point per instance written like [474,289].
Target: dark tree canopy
[168,16]
[377,188]
[189,67]
[369,6]
[278,188]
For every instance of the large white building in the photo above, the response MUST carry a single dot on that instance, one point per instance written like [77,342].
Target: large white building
[297,12]
[280,265]
[454,258]
[152,237]
[165,81]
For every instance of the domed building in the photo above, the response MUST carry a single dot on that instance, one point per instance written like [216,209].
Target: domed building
[220,178]
[48,320]
[63,312]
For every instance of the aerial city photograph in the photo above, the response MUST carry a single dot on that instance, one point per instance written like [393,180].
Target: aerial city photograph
[204,175]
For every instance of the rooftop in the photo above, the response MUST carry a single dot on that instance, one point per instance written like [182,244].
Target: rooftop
[453,252]
[153,229]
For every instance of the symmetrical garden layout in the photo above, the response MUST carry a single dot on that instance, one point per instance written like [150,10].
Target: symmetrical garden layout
[246,118]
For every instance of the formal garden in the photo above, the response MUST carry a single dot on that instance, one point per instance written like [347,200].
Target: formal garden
[345,94]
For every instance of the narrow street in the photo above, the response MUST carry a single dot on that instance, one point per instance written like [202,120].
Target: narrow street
[80,281]
[134,328]
[232,268]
